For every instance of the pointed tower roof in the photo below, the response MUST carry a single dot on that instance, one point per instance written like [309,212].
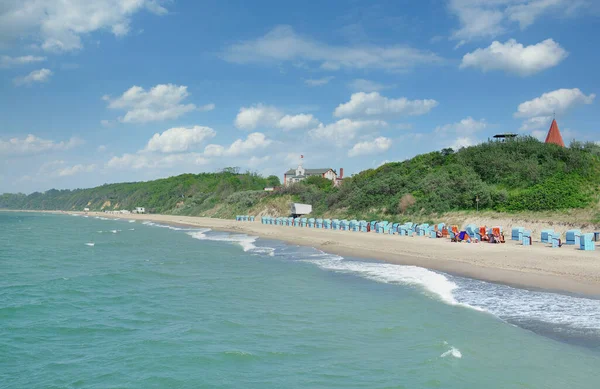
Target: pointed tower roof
[554,135]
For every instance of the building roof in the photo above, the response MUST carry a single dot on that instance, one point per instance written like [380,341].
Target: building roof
[554,135]
[310,171]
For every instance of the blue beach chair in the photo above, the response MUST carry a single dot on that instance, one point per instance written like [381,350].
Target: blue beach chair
[572,237]
[362,225]
[586,242]
[526,238]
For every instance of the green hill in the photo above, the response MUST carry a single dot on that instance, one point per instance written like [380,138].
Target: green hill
[519,175]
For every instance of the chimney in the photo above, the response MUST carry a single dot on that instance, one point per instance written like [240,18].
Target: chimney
[341,173]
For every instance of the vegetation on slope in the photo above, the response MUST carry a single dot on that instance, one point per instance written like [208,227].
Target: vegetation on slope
[523,174]
[186,193]
[520,175]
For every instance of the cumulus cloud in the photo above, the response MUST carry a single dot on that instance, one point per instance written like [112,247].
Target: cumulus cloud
[249,118]
[8,62]
[32,144]
[41,75]
[75,169]
[513,57]
[535,123]
[461,142]
[179,139]
[485,19]
[559,101]
[253,142]
[282,44]
[318,81]
[539,111]
[466,126]
[378,145]
[58,25]
[161,102]
[373,104]
[362,85]
[343,131]
[152,161]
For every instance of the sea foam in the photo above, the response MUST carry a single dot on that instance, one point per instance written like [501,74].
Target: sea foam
[246,241]
[435,283]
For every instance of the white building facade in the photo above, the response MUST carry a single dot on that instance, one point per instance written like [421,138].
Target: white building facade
[293,176]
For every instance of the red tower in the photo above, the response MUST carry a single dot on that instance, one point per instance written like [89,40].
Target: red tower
[554,135]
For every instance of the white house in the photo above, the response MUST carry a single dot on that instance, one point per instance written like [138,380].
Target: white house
[300,173]
[139,210]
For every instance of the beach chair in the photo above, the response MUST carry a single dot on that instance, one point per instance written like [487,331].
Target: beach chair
[327,224]
[335,224]
[363,225]
[572,237]
[517,233]
[319,223]
[546,236]
[252,218]
[354,225]
[482,234]
[372,225]
[432,232]
[555,240]
[385,226]
[472,230]
[311,222]
[422,229]
[303,222]
[526,238]
[291,221]
[586,242]
[395,228]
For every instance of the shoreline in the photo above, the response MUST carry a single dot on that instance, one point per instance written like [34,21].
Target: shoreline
[564,270]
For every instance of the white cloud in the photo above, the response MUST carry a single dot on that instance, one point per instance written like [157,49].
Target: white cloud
[490,18]
[41,75]
[318,81]
[249,118]
[161,102]
[373,104]
[58,25]
[378,145]
[207,107]
[8,62]
[345,130]
[466,126]
[282,44]
[253,142]
[152,161]
[463,142]
[513,57]
[559,101]
[179,139]
[362,85]
[101,148]
[31,144]
[535,123]
[297,122]
[107,123]
[76,169]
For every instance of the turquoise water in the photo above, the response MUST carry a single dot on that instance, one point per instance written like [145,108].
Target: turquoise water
[152,307]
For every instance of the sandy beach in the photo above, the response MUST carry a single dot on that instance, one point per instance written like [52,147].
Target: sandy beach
[539,266]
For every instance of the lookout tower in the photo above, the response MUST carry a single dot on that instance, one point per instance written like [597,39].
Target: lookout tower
[554,135]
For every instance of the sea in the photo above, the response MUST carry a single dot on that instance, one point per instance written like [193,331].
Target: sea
[90,302]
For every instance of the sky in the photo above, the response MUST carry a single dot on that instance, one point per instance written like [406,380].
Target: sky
[132,90]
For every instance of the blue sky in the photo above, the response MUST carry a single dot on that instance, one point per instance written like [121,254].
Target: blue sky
[129,90]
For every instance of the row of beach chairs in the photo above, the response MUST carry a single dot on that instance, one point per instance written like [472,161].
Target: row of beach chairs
[471,233]
[244,218]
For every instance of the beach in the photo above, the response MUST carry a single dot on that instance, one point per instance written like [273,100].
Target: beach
[566,269]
